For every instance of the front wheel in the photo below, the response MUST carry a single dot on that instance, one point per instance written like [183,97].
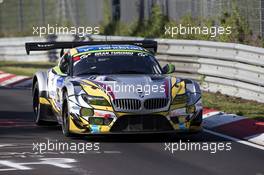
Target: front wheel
[40,110]
[66,118]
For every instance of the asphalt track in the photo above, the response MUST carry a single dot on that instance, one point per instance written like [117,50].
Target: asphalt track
[118,154]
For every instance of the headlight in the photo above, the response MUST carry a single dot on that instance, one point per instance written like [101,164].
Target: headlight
[86,112]
[178,112]
[190,109]
[187,98]
[183,111]
[193,92]
[93,100]
[180,99]
[193,98]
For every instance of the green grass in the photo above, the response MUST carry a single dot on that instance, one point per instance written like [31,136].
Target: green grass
[234,105]
[217,101]
[24,68]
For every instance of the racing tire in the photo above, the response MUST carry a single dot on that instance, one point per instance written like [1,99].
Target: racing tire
[66,117]
[40,110]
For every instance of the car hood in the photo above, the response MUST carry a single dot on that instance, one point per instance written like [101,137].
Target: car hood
[127,86]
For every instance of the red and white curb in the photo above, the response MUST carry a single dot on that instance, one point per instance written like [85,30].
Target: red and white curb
[11,80]
[234,126]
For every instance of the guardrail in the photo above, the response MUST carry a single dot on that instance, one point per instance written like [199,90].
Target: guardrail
[232,69]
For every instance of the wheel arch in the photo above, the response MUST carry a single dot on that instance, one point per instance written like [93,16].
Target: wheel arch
[64,91]
[42,79]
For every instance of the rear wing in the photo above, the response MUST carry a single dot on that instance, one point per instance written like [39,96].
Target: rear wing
[41,46]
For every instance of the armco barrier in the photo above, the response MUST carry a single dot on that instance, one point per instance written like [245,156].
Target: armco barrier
[232,69]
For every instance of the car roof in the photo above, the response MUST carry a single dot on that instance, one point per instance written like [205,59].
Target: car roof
[102,48]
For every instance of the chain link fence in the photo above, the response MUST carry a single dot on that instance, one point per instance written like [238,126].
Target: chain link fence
[18,16]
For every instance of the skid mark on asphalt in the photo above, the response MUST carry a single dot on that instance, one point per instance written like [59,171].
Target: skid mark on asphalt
[16,123]
[112,152]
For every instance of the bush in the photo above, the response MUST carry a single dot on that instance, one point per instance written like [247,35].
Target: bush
[154,27]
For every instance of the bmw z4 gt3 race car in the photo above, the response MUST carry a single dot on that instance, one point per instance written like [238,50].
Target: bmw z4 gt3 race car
[113,87]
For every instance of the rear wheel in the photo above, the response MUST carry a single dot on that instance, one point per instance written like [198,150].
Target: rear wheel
[40,110]
[66,117]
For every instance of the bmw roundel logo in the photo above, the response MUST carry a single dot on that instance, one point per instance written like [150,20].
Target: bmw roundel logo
[140,93]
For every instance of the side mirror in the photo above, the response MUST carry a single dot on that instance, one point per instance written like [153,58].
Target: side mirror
[168,69]
[61,52]
[64,64]
[64,68]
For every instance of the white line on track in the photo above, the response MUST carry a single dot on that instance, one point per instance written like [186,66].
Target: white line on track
[6,145]
[17,147]
[235,139]
[257,138]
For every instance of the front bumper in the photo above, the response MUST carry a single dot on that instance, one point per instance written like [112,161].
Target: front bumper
[136,123]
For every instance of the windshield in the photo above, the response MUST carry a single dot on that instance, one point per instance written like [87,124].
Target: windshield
[121,64]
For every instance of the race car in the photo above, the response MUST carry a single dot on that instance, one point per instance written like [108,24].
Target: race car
[102,87]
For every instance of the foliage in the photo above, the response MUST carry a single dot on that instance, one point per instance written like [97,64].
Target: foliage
[154,27]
